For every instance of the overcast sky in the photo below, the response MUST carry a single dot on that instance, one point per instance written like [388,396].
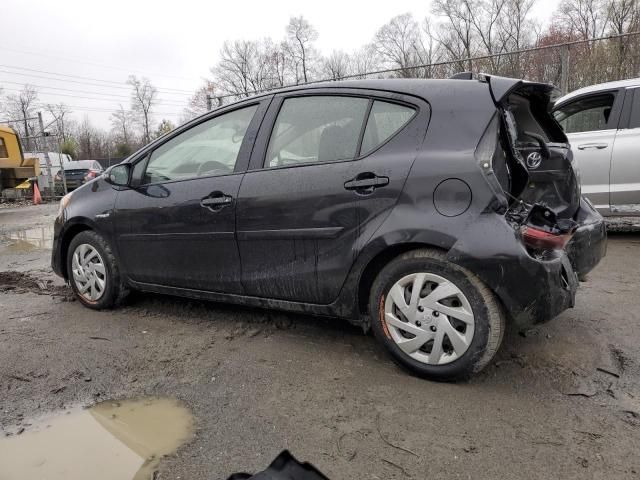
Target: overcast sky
[173,43]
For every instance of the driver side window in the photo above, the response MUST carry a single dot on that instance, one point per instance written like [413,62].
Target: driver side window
[586,114]
[209,148]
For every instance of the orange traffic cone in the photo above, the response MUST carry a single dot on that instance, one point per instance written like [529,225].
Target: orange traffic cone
[37,199]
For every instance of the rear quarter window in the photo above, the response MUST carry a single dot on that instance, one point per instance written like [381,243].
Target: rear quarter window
[385,120]
[3,149]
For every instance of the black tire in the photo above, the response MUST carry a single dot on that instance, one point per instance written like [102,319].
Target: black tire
[489,322]
[115,290]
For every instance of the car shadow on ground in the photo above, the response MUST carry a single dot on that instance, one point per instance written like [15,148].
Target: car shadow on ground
[241,321]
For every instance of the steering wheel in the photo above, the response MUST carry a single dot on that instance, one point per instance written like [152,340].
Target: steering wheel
[211,166]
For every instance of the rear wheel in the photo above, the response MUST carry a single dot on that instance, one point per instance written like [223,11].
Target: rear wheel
[436,318]
[93,272]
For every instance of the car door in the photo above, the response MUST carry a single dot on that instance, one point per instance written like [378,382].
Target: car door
[625,159]
[590,122]
[301,205]
[176,224]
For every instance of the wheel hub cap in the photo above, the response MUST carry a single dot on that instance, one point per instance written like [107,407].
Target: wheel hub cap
[429,318]
[88,272]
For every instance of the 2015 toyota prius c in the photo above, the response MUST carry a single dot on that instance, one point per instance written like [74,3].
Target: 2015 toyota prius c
[431,211]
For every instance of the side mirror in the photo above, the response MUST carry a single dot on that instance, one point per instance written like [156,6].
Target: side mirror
[119,175]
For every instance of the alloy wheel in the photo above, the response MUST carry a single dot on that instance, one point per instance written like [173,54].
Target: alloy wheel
[429,318]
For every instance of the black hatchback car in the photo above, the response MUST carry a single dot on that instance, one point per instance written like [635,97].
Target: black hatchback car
[431,211]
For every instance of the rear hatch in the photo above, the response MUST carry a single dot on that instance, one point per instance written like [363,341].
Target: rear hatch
[73,177]
[78,174]
[527,160]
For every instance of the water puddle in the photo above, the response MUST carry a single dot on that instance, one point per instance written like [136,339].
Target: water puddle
[25,241]
[122,440]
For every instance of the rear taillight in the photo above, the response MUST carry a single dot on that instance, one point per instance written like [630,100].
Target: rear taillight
[539,239]
[91,175]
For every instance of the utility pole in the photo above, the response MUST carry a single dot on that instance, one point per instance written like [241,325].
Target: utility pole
[46,156]
[209,102]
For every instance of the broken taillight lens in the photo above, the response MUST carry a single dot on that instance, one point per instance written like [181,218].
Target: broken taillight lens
[542,240]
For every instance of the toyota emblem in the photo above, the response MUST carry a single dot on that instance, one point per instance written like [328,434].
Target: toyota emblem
[534,160]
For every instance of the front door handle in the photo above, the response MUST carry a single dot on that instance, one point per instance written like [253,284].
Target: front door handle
[216,201]
[594,146]
[365,183]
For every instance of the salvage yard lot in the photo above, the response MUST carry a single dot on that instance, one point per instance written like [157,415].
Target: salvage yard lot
[561,401]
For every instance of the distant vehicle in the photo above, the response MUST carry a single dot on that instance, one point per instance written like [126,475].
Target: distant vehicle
[406,206]
[55,158]
[77,173]
[602,123]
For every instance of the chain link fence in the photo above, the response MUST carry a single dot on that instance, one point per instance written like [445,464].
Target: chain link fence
[568,66]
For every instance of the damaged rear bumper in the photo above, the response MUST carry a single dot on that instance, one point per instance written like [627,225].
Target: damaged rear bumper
[532,290]
[589,242]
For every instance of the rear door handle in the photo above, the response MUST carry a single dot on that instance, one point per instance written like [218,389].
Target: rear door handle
[366,183]
[594,146]
[216,201]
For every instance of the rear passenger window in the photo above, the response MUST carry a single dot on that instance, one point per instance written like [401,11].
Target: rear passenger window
[384,121]
[316,129]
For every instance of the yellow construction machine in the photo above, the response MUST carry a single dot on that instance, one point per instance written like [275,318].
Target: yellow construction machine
[16,172]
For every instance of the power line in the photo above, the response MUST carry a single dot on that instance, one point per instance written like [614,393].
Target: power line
[168,102]
[75,60]
[111,84]
[104,110]
[159,102]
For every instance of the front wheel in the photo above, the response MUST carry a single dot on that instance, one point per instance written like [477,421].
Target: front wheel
[93,272]
[435,318]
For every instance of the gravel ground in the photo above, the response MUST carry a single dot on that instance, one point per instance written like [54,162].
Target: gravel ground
[561,401]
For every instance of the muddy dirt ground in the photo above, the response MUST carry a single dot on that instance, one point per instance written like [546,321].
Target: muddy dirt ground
[562,401]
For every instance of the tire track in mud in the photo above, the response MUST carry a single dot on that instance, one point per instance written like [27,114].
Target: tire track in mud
[26,282]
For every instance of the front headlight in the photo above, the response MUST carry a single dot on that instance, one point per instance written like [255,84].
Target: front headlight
[64,201]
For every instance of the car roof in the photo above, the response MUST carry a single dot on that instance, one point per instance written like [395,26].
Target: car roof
[410,86]
[632,82]
[75,164]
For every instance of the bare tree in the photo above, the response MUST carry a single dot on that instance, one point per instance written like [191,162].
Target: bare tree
[301,35]
[517,30]
[623,17]
[22,106]
[280,64]
[122,125]
[456,33]
[399,45]
[365,60]
[336,66]
[485,16]
[430,49]
[143,99]
[59,111]
[588,18]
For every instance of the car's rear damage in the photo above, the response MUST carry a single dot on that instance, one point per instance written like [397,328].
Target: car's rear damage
[544,235]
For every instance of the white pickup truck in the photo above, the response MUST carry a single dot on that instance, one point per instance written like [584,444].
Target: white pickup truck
[602,123]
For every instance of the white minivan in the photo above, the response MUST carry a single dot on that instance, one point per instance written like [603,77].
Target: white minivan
[602,123]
